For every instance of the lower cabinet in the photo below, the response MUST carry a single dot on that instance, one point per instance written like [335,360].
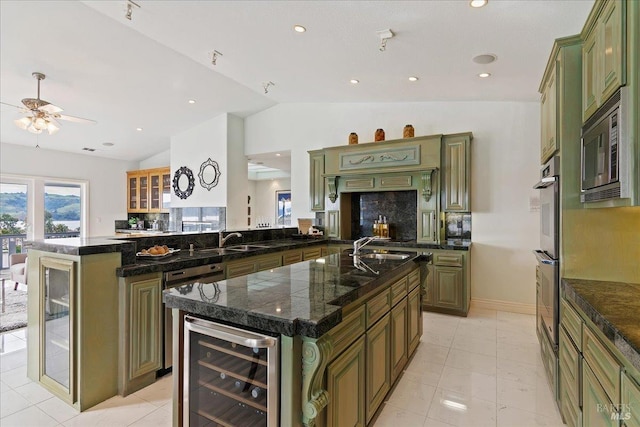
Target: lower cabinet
[629,399]
[378,376]
[140,349]
[414,328]
[598,411]
[448,283]
[345,385]
[252,265]
[399,336]
[569,380]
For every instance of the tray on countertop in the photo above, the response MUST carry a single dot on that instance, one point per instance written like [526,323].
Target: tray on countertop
[158,256]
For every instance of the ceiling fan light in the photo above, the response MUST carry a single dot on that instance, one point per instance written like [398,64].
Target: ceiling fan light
[51,128]
[33,129]
[23,123]
[40,123]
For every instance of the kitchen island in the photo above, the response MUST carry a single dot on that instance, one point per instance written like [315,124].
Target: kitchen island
[347,326]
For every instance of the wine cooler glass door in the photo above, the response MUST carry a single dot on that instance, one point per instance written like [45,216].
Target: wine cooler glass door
[230,376]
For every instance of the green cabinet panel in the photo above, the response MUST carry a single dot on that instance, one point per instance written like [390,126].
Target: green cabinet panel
[291,257]
[333,223]
[414,328]
[399,336]
[548,115]
[378,368]
[569,360]
[571,322]
[630,401]
[345,385]
[427,229]
[447,287]
[456,167]
[311,253]
[240,268]
[597,409]
[447,290]
[316,182]
[603,364]
[145,327]
[589,77]
[550,362]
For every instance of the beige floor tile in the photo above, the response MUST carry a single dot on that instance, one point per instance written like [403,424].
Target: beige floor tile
[158,393]
[4,387]
[158,418]
[29,417]
[33,392]
[469,383]
[458,410]
[520,372]
[525,353]
[430,353]
[516,337]
[476,331]
[486,346]
[532,398]
[425,373]
[58,409]
[11,402]
[437,338]
[393,416]
[471,361]
[509,417]
[14,378]
[412,396]
[430,422]
[114,412]
[15,359]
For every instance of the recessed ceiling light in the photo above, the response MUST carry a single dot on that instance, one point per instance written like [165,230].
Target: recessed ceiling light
[108,144]
[277,154]
[483,75]
[478,3]
[192,101]
[354,81]
[413,79]
[139,129]
[485,58]
[299,28]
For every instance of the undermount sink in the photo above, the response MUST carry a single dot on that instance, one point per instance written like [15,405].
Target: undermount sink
[244,248]
[383,256]
[216,250]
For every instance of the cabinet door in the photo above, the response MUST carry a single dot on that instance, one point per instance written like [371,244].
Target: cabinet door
[429,284]
[155,192]
[448,287]
[266,263]
[291,257]
[569,380]
[414,327]
[597,409]
[166,190]
[456,179]
[399,347]
[428,227]
[611,34]
[333,223]
[630,401]
[378,353]
[145,328]
[316,185]
[345,385]
[549,118]
[143,195]
[133,192]
[240,268]
[311,253]
[589,75]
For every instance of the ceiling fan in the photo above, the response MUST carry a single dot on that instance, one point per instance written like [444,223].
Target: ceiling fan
[41,114]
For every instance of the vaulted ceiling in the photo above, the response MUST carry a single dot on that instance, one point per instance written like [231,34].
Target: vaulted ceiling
[140,73]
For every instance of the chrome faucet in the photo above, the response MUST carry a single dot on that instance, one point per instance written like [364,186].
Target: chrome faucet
[361,242]
[222,240]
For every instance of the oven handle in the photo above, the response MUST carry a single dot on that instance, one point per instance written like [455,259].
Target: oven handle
[545,182]
[544,258]
[238,336]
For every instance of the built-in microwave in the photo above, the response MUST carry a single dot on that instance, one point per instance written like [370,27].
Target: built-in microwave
[605,148]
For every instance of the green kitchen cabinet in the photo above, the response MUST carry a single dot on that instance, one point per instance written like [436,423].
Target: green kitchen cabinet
[597,409]
[345,385]
[548,117]
[456,172]
[629,401]
[448,283]
[378,366]
[399,336]
[604,56]
[316,181]
[252,264]
[569,367]
[414,329]
[333,223]
[140,337]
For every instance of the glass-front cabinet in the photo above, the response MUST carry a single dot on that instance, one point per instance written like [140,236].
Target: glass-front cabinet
[57,284]
[149,190]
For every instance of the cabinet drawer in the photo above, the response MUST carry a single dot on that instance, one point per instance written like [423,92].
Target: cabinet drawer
[569,406]
[398,291]
[312,253]
[242,269]
[267,263]
[630,401]
[351,327]
[605,367]
[569,360]
[414,280]
[291,257]
[572,322]
[452,260]
[378,306]
[550,363]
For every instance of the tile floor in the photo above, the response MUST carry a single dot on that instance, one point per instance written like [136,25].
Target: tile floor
[483,370]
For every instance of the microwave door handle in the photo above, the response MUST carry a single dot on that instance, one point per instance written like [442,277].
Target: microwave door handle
[544,258]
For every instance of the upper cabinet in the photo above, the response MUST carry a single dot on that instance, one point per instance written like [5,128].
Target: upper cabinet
[548,118]
[148,190]
[603,54]
[316,181]
[456,172]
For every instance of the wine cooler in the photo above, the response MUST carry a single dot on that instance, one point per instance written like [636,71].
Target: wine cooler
[230,376]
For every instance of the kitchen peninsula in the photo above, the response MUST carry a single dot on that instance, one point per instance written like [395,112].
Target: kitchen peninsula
[346,324]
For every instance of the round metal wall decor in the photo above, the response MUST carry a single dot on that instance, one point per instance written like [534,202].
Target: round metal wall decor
[183,182]
[209,174]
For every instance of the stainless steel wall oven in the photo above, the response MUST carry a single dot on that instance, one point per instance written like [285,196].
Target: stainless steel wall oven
[548,269]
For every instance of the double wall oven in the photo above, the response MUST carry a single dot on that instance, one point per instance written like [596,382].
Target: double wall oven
[548,269]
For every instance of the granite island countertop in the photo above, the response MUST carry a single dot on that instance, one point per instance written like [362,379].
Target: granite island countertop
[304,298]
[613,308]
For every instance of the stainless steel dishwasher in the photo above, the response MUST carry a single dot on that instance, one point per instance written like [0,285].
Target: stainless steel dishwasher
[230,376]
[184,279]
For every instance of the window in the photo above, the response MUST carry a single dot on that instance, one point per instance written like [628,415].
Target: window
[62,210]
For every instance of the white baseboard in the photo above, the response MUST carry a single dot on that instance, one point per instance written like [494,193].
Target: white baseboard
[512,307]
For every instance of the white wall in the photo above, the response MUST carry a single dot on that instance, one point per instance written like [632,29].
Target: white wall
[160,160]
[263,199]
[238,183]
[107,179]
[505,155]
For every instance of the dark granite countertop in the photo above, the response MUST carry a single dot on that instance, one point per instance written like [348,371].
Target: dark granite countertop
[613,308]
[453,245]
[305,298]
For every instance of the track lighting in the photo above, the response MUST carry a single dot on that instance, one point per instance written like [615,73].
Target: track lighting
[129,11]
[384,35]
[214,56]
[266,86]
